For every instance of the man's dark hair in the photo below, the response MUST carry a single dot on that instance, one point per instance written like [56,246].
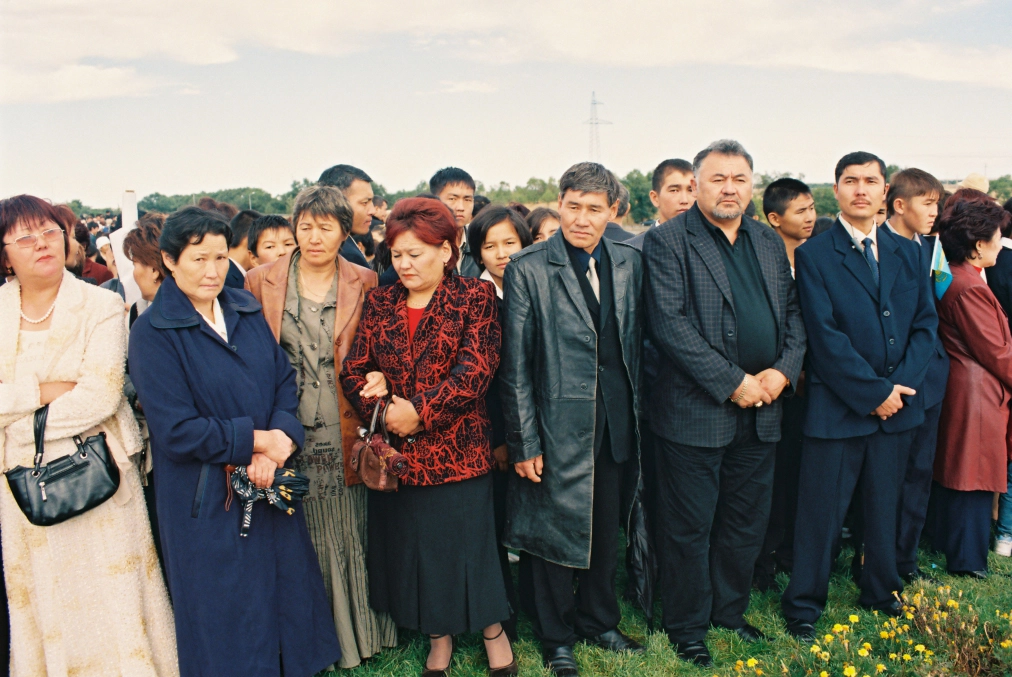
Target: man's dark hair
[378,200]
[781,193]
[189,226]
[858,158]
[822,224]
[342,176]
[623,202]
[1007,207]
[970,216]
[721,147]
[591,177]
[480,202]
[911,183]
[448,176]
[264,223]
[239,225]
[492,216]
[665,168]
[209,203]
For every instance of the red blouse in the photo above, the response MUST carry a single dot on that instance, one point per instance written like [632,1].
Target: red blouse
[414,317]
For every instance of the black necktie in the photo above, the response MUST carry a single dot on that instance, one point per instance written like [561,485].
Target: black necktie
[869,256]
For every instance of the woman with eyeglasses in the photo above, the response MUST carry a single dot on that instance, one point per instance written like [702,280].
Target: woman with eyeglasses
[86,595]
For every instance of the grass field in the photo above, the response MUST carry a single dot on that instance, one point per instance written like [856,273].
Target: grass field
[961,628]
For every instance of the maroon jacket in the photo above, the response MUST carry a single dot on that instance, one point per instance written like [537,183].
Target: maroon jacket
[445,373]
[973,437]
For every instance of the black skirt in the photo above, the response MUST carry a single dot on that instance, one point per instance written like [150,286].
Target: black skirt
[433,563]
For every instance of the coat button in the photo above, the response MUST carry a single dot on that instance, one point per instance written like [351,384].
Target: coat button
[601,368]
[890,370]
[586,339]
[316,384]
[581,434]
[313,308]
[347,414]
[583,386]
[885,313]
[730,333]
[892,341]
[234,349]
[339,341]
[312,346]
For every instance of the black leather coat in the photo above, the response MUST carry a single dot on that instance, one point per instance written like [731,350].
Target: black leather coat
[548,373]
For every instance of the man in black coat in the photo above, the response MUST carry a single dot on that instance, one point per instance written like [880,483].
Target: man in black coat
[572,337]
[723,313]
[455,188]
[357,188]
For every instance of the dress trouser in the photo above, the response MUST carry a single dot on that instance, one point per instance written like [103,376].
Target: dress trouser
[713,507]
[559,615]
[916,490]
[778,546]
[831,472]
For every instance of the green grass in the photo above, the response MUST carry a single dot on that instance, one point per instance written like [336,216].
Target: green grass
[782,654]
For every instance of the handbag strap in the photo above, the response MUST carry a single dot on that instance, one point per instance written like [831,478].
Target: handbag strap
[375,416]
[41,414]
[383,426]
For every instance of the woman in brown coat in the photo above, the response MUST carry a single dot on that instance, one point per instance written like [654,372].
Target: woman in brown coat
[973,445]
[312,300]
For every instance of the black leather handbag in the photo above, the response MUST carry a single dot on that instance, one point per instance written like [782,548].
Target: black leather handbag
[67,486]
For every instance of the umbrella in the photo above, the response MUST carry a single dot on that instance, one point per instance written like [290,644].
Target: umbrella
[289,486]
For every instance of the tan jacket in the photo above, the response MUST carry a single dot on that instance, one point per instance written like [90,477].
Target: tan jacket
[269,284]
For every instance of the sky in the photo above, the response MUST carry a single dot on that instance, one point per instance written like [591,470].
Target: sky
[184,96]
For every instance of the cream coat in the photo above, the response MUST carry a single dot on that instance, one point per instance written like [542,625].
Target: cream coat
[86,596]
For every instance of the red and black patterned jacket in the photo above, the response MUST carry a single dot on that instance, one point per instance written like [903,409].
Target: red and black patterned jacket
[445,373]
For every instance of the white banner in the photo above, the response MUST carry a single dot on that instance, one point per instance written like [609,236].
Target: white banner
[128,210]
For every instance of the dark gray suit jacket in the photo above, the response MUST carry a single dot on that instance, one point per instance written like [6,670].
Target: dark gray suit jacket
[691,322]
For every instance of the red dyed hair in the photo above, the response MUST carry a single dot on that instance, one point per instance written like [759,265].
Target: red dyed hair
[430,220]
[28,210]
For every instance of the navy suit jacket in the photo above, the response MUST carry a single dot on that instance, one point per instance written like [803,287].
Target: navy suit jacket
[938,368]
[863,338]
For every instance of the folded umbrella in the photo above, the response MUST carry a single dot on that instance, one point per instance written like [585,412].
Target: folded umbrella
[289,486]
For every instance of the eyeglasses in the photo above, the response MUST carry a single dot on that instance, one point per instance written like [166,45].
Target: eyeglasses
[30,240]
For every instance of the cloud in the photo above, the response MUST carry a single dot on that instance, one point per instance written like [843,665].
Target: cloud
[52,41]
[468,87]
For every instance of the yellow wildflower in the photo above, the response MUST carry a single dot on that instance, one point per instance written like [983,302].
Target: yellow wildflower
[854,618]
[906,657]
[850,671]
[862,653]
[752,662]
[880,668]
[919,648]
[884,634]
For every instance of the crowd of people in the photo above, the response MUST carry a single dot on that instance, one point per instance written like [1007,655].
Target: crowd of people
[527,386]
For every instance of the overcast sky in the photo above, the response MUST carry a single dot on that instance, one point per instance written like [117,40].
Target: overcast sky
[182,96]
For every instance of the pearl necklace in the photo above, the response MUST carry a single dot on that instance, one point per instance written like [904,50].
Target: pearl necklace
[41,319]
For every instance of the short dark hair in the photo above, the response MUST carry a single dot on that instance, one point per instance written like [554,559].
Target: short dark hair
[480,202]
[721,147]
[378,200]
[239,225]
[1007,207]
[591,177]
[430,220]
[209,203]
[190,225]
[30,210]
[781,193]
[911,183]
[448,176]
[665,168]
[537,218]
[970,216]
[858,158]
[623,202]
[493,215]
[342,176]
[265,223]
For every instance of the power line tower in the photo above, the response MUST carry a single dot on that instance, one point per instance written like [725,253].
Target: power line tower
[595,122]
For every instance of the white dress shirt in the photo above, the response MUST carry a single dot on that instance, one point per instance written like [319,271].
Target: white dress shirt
[858,237]
[918,238]
[485,275]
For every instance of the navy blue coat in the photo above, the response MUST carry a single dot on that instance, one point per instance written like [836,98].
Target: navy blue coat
[238,602]
[863,338]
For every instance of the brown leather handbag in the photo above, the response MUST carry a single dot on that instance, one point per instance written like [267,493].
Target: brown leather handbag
[377,463]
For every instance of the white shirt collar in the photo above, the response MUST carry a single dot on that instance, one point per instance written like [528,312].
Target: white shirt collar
[485,275]
[918,238]
[238,265]
[1006,243]
[218,321]
[857,236]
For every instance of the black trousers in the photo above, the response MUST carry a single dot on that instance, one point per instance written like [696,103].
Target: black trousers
[831,472]
[559,615]
[778,546]
[962,528]
[713,507]
[916,490]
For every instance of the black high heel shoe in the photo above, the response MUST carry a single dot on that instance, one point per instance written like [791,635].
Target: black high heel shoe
[440,672]
[510,670]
